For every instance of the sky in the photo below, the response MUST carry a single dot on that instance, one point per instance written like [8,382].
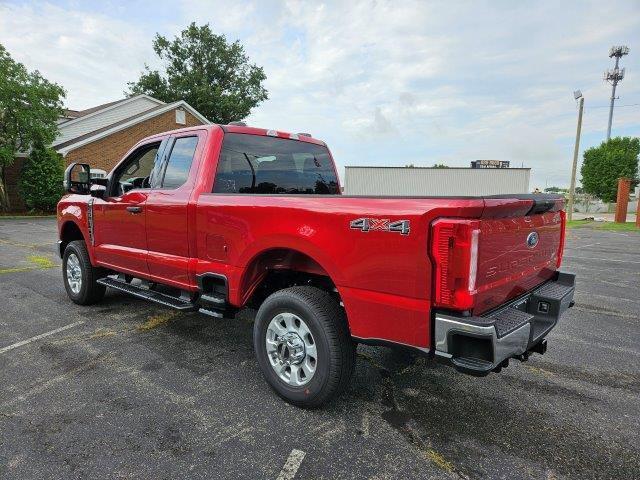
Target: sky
[382,82]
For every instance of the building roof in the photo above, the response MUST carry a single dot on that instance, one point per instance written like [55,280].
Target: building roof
[92,133]
[80,127]
[73,114]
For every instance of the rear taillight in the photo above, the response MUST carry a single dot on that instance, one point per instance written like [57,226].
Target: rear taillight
[454,250]
[563,228]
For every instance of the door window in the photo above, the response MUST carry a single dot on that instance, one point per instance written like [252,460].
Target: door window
[179,163]
[136,169]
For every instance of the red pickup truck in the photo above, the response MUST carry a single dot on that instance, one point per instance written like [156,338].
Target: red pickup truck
[219,217]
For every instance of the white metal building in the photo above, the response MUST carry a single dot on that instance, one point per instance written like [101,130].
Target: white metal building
[423,181]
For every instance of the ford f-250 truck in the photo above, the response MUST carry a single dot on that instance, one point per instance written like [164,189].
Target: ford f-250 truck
[219,217]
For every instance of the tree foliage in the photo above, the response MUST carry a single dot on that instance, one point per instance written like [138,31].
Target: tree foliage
[211,74]
[440,165]
[30,105]
[41,179]
[605,164]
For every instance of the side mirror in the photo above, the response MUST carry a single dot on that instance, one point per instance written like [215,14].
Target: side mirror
[77,178]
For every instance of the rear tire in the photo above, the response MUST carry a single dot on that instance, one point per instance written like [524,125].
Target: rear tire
[80,276]
[309,320]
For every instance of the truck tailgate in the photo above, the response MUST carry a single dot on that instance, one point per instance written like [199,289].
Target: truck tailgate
[516,254]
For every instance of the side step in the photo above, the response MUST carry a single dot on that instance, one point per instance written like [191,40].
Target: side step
[213,304]
[214,299]
[212,312]
[147,294]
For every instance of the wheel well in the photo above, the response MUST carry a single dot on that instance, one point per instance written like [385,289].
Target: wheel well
[281,268]
[70,232]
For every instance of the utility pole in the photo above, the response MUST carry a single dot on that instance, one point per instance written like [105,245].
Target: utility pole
[572,189]
[613,77]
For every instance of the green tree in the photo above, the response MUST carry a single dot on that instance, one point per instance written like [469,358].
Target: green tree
[41,179]
[605,164]
[211,74]
[440,165]
[29,108]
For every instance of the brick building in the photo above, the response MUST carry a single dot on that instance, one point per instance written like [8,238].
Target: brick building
[100,136]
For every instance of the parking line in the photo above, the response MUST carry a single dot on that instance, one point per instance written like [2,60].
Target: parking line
[292,465]
[38,337]
[365,424]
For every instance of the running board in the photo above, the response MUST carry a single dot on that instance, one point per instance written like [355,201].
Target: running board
[146,294]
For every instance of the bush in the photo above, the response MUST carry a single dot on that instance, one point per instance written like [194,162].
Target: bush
[41,179]
[603,166]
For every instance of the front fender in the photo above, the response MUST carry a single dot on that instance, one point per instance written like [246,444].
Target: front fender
[74,209]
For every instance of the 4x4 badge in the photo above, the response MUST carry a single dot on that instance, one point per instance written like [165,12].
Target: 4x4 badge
[402,227]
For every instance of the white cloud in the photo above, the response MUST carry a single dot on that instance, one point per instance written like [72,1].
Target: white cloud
[91,55]
[383,82]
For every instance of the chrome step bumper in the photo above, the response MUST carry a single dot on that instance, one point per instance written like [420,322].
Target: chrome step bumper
[479,345]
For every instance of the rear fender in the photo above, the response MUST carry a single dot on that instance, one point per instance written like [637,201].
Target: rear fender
[307,258]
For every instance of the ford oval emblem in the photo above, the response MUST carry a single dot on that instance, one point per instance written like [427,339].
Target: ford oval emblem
[532,239]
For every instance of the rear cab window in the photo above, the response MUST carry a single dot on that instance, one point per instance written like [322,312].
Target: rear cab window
[179,162]
[257,164]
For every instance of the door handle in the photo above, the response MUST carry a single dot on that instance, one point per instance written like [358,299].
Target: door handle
[134,209]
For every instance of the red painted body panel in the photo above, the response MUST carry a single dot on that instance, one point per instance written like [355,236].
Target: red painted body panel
[384,278]
[167,224]
[372,270]
[120,238]
[507,267]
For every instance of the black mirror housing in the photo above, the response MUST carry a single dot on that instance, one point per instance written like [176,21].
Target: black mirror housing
[97,191]
[77,178]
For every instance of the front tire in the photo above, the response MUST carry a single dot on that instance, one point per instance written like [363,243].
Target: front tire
[303,346]
[80,276]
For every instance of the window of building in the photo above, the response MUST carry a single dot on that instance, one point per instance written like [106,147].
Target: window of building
[181,117]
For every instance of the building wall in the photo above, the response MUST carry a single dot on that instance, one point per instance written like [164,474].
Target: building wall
[108,151]
[390,181]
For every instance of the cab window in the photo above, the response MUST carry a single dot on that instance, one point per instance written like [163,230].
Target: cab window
[179,162]
[269,165]
[134,173]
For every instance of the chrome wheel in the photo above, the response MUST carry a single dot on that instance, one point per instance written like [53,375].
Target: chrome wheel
[74,273]
[291,349]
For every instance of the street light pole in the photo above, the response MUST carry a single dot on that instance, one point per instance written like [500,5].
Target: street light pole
[572,189]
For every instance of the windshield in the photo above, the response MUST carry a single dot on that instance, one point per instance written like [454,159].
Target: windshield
[270,165]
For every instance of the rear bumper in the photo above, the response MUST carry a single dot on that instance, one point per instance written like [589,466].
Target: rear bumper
[479,345]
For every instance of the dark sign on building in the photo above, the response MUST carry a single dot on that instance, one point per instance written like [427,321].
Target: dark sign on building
[489,164]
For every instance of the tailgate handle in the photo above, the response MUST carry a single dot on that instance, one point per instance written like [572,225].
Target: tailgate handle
[134,209]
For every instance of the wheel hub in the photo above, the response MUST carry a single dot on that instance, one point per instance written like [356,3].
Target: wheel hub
[74,273]
[290,348]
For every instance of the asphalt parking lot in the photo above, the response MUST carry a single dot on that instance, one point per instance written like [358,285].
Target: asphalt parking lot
[133,390]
